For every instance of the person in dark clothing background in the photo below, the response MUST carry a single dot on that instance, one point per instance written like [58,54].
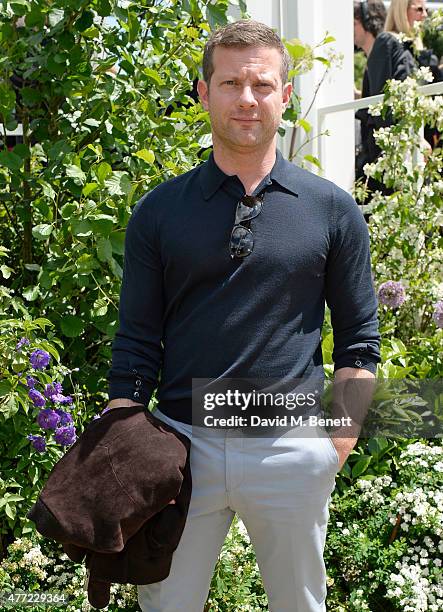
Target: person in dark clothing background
[387,59]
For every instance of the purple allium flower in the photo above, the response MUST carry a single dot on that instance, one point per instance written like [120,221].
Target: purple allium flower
[39,359]
[48,418]
[31,382]
[38,442]
[52,389]
[437,315]
[36,397]
[65,418]
[22,342]
[65,435]
[392,294]
[95,417]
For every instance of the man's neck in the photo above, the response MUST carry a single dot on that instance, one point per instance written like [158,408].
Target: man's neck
[250,166]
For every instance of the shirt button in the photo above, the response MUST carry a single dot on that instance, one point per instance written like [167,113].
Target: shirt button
[358,363]
[138,382]
[136,395]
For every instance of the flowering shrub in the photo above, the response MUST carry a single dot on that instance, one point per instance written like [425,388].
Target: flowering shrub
[385,537]
[406,226]
[236,583]
[38,421]
[37,564]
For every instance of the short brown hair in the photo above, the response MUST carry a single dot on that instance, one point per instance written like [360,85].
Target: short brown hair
[373,20]
[244,33]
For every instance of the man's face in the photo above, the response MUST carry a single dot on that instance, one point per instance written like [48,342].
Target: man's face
[246,98]
[359,34]
[416,11]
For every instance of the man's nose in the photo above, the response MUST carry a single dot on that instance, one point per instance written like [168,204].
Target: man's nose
[247,98]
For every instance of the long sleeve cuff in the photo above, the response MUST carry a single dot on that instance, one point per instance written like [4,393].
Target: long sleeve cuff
[131,387]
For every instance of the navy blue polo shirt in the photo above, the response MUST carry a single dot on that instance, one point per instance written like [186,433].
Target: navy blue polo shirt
[188,310]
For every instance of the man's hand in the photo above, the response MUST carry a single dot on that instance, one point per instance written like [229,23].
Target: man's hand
[117,403]
[343,446]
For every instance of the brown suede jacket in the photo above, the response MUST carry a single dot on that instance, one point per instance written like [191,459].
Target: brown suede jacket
[107,500]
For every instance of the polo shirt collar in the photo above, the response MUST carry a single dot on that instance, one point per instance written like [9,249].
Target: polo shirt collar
[212,177]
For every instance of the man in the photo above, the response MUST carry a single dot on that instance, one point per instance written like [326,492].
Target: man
[211,290]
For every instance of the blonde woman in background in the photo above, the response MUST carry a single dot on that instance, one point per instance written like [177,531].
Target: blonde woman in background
[402,16]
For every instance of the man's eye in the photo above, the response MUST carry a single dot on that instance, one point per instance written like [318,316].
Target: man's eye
[229,82]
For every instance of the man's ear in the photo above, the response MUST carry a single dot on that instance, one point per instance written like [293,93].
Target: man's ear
[287,91]
[203,92]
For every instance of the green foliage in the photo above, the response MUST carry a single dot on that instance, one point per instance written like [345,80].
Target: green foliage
[106,113]
[236,583]
[303,58]
[22,467]
[359,68]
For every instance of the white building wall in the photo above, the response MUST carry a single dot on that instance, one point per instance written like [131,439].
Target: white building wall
[309,20]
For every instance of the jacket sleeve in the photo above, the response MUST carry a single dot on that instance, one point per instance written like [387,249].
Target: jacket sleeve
[350,293]
[137,349]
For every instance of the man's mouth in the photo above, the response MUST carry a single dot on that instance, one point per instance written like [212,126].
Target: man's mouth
[245,119]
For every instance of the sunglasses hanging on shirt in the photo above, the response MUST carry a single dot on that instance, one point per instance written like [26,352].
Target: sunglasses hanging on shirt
[241,243]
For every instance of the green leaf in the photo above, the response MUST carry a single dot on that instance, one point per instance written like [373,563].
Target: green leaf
[10,512]
[71,326]
[147,155]
[100,308]
[89,188]
[9,407]
[10,497]
[86,264]
[6,271]
[42,231]
[31,293]
[313,160]
[81,227]
[154,76]
[104,249]
[55,16]
[361,466]
[10,160]
[102,224]
[216,15]
[305,125]
[118,184]
[76,173]
[5,387]
[7,98]
[103,171]
[328,39]
[295,48]
[67,210]
[118,242]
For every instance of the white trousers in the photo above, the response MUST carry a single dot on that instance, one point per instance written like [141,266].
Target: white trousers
[280,488]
